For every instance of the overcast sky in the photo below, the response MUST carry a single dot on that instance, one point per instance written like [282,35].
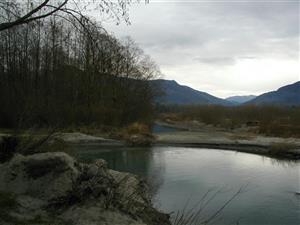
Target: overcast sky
[221,47]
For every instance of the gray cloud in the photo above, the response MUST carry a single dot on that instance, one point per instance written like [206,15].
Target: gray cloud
[195,40]
[216,60]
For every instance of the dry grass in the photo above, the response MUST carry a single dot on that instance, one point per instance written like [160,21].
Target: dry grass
[137,128]
[196,214]
[136,134]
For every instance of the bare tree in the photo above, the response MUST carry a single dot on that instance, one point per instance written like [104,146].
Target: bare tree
[17,12]
[56,74]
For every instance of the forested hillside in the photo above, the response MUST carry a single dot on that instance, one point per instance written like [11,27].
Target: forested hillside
[62,71]
[288,95]
[173,93]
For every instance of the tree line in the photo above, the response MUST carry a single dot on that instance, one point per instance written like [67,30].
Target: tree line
[63,70]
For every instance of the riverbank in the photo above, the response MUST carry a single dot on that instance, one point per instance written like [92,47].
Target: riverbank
[208,137]
[193,134]
[54,188]
[242,140]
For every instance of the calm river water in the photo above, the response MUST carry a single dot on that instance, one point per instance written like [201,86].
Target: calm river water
[183,177]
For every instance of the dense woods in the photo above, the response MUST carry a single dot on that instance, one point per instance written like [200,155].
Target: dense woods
[62,70]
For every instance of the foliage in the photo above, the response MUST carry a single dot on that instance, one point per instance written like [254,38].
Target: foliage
[136,134]
[268,120]
[137,128]
[56,74]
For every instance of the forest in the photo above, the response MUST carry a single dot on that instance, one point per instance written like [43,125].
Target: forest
[66,69]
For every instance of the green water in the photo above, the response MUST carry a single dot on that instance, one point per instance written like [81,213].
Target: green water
[180,177]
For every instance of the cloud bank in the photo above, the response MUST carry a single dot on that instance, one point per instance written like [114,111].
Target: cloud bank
[221,47]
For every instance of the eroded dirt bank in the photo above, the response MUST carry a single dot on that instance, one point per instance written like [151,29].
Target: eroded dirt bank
[53,188]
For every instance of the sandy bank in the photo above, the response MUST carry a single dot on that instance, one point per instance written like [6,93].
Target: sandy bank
[238,140]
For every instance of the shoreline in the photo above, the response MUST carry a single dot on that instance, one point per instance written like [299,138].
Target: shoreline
[243,148]
[210,139]
[196,135]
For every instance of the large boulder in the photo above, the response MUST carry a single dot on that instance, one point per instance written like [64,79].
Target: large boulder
[57,189]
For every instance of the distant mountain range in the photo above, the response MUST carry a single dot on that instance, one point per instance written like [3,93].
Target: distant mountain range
[287,95]
[240,99]
[174,93]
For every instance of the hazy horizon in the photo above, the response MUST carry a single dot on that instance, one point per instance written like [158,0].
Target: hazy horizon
[225,48]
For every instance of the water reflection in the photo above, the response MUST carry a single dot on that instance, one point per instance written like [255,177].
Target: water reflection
[179,174]
[140,161]
[284,163]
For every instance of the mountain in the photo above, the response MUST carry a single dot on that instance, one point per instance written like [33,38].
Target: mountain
[288,96]
[240,99]
[174,93]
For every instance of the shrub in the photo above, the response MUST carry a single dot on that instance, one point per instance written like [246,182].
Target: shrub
[137,128]
[137,134]
[279,148]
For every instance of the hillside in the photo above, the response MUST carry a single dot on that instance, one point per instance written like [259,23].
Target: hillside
[174,93]
[287,95]
[240,99]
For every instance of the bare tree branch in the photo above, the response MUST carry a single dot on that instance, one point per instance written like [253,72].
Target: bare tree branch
[28,17]
[115,10]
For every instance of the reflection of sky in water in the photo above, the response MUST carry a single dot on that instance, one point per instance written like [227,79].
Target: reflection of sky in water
[268,198]
[179,174]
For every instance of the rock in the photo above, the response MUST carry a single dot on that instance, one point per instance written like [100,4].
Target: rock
[57,189]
